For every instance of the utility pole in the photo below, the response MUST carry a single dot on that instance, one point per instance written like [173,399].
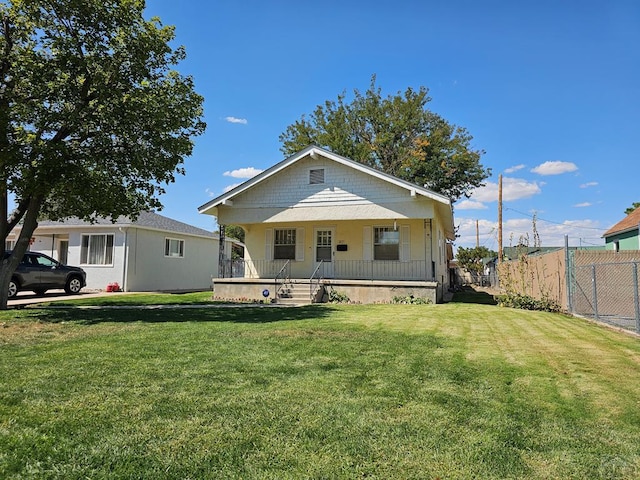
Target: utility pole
[477,235]
[500,218]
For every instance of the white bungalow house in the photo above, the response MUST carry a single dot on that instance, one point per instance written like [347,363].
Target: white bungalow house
[152,253]
[317,222]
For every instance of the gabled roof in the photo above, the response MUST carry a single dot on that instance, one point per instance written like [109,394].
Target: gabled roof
[315,151]
[146,220]
[628,223]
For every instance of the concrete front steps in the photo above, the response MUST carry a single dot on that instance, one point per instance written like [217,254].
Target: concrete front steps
[297,292]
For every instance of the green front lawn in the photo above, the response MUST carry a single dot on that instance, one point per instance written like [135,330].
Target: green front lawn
[454,391]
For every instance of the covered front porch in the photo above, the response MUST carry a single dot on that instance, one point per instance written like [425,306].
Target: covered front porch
[355,281]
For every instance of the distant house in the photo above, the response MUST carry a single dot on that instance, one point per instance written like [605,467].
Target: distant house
[624,235]
[320,217]
[152,253]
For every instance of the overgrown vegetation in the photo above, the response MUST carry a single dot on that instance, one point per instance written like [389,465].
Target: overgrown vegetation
[525,281]
[526,302]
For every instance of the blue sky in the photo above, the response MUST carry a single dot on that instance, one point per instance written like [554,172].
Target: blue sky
[549,90]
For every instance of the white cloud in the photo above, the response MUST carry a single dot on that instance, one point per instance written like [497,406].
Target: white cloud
[247,172]
[555,168]
[580,232]
[583,204]
[515,168]
[230,187]
[512,189]
[470,205]
[242,121]
[589,184]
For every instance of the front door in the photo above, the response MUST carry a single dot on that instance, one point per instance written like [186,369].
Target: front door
[325,250]
[63,249]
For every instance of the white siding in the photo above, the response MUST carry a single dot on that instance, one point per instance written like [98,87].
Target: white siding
[347,194]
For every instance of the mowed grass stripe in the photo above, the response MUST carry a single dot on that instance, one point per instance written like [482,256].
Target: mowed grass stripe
[381,391]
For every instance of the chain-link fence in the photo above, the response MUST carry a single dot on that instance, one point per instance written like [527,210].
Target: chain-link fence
[598,284]
[607,292]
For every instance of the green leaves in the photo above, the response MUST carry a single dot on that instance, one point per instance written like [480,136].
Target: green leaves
[471,258]
[397,135]
[98,117]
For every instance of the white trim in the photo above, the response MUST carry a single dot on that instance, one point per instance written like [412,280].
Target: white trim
[367,243]
[268,244]
[170,239]
[299,244]
[103,234]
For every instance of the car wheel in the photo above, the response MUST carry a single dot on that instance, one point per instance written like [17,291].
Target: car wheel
[73,285]
[13,288]
[40,292]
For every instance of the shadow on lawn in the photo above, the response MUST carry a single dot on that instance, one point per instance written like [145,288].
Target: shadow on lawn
[469,294]
[205,314]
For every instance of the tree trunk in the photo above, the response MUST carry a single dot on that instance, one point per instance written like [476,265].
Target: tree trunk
[10,264]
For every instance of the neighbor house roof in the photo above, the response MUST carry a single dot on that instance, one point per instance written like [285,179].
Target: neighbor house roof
[628,223]
[146,220]
[314,151]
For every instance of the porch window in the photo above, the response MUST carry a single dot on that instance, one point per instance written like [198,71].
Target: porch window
[386,243]
[173,247]
[97,249]
[284,244]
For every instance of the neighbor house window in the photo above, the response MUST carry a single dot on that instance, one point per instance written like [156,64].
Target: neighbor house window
[9,244]
[173,247]
[97,249]
[386,243]
[316,176]
[284,244]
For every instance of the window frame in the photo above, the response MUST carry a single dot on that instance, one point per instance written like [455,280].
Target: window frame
[378,245]
[167,247]
[279,249]
[86,251]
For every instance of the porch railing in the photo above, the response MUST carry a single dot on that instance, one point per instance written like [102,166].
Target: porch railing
[339,269]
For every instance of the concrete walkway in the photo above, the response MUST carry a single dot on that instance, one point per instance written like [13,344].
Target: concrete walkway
[28,298]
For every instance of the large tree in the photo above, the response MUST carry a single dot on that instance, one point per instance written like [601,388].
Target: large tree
[94,119]
[471,259]
[632,208]
[398,135]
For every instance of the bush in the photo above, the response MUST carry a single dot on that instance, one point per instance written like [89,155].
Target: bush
[410,300]
[338,297]
[526,302]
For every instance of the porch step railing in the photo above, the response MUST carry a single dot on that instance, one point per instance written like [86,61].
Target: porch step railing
[283,276]
[315,281]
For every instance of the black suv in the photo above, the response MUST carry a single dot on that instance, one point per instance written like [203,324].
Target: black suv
[40,273]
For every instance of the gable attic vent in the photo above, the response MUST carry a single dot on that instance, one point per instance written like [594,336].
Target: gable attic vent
[316,176]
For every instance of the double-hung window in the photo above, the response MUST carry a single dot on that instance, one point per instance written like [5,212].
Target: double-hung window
[284,244]
[386,243]
[173,247]
[97,249]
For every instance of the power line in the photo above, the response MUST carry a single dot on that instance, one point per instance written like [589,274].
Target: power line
[555,223]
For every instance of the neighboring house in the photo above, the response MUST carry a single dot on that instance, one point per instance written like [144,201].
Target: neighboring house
[624,234]
[350,227]
[152,253]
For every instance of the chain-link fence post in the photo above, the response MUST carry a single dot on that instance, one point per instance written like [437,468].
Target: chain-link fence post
[594,288]
[636,302]
[568,270]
